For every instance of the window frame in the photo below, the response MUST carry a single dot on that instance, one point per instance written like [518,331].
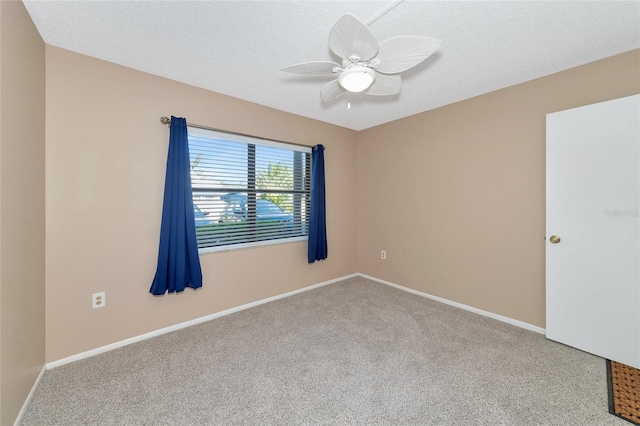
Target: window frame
[303,196]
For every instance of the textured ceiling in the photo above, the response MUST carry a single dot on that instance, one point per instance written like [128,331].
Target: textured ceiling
[238,47]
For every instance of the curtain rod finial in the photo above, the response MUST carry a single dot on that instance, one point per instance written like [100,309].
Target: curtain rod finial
[165,120]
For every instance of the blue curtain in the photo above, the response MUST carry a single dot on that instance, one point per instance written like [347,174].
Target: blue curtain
[318,220]
[178,260]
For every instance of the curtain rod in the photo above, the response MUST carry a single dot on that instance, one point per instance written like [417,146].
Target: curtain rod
[167,121]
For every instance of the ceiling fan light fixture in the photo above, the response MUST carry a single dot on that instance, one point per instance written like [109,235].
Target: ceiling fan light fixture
[356,79]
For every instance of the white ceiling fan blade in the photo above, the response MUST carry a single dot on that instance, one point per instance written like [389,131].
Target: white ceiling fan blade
[312,68]
[385,85]
[350,37]
[331,91]
[398,54]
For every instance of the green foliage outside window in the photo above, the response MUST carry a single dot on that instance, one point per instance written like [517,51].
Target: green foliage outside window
[276,176]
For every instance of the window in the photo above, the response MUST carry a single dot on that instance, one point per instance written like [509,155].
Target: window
[248,191]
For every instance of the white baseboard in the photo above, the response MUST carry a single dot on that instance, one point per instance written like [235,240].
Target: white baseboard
[27,401]
[508,320]
[200,320]
[112,346]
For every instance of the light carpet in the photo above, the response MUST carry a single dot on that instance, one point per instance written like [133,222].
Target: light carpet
[354,352]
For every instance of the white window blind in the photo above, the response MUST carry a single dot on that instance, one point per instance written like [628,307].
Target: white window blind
[248,191]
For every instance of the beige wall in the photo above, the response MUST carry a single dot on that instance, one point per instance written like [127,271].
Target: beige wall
[105,165]
[22,216]
[456,195]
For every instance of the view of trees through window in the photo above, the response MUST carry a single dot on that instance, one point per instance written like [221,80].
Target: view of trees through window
[278,176]
[247,190]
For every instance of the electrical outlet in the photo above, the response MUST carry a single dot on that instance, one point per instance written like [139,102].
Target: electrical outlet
[98,300]
[383,255]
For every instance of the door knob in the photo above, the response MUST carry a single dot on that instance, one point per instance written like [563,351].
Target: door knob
[554,239]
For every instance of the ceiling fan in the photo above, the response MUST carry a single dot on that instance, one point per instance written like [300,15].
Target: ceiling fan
[367,66]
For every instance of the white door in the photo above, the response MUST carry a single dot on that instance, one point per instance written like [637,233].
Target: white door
[593,202]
